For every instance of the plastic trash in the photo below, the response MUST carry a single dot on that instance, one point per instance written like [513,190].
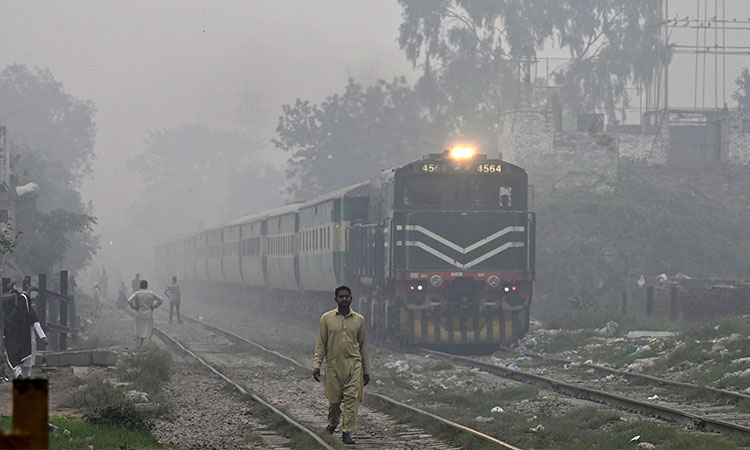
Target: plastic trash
[537,429]
[497,409]
[642,348]
[514,367]
[484,419]
[66,433]
[635,438]
[524,358]
[646,445]
[52,428]
[653,397]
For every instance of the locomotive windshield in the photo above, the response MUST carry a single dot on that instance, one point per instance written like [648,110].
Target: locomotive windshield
[461,192]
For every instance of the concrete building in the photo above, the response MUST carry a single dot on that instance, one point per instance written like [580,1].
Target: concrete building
[557,158]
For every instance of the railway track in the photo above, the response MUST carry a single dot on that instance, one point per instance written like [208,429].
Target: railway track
[668,404]
[242,362]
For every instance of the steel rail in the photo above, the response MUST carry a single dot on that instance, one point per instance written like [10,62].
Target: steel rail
[729,395]
[170,340]
[162,334]
[700,422]
[384,398]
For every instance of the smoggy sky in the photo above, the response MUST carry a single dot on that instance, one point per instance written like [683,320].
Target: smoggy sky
[159,64]
[229,64]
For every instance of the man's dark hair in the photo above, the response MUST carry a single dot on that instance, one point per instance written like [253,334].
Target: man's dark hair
[144,284]
[174,279]
[342,288]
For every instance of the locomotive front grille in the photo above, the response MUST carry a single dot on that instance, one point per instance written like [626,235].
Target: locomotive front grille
[496,326]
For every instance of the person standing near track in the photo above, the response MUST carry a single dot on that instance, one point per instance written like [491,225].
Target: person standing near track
[173,292]
[19,333]
[136,282]
[343,345]
[144,302]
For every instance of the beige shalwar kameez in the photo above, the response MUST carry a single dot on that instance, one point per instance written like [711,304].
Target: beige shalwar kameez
[342,342]
[144,302]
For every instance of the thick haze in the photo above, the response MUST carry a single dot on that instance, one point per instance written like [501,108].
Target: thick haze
[155,65]
[228,64]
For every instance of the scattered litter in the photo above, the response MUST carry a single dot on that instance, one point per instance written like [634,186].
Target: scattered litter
[741,361]
[52,429]
[137,396]
[537,429]
[646,445]
[635,438]
[378,382]
[720,349]
[497,409]
[662,277]
[400,366]
[89,437]
[609,330]
[652,334]
[623,419]
[484,419]
[524,358]
[514,367]
[66,433]
[654,397]
[736,337]
[642,348]
[641,281]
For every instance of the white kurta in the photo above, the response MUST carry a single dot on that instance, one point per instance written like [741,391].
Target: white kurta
[144,302]
[30,361]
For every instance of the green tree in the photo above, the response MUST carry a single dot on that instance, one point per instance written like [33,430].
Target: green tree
[43,245]
[592,246]
[349,136]
[53,133]
[218,173]
[481,50]
[8,241]
[742,94]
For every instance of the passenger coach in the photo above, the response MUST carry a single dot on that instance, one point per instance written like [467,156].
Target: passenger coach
[439,252]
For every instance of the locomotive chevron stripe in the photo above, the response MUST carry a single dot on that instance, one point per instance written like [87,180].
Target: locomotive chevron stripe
[459,265]
[457,247]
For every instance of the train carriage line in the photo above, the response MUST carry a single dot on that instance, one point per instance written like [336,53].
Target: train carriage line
[440,252]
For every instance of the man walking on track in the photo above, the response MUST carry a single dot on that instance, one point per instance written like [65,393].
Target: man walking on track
[342,343]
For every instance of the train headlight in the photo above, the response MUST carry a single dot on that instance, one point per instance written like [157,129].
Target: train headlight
[462,152]
[493,281]
[436,280]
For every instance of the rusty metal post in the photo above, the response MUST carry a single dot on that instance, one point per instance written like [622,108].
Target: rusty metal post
[649,300]
[41,310]
[673,295]
[64,309]
[30,410]
[72,309]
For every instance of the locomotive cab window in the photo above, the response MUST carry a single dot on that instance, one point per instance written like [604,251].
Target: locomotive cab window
[459,192]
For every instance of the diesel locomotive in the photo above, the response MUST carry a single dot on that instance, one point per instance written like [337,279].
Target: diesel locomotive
[438,252]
